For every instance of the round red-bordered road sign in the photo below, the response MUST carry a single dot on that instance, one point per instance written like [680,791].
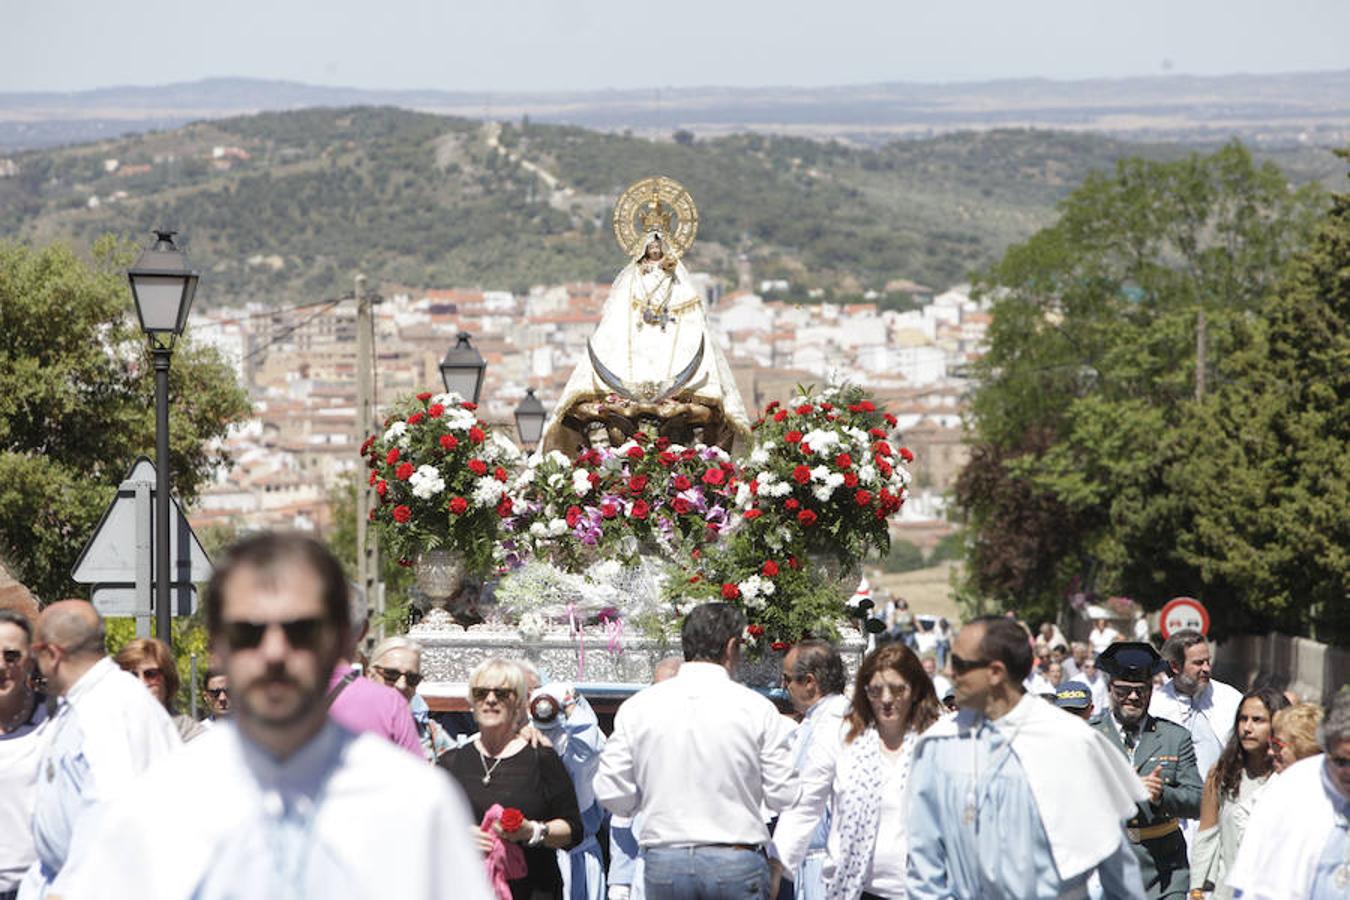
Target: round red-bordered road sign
[1181,613]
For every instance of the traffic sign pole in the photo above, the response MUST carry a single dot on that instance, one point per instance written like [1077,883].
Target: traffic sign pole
[144,524]
[163,586]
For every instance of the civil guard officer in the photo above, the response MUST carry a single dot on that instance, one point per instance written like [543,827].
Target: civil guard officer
[1162,753]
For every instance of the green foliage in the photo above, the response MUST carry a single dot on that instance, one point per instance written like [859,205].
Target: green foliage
[905,556]
[77,405]
[1087,393]
[949,547]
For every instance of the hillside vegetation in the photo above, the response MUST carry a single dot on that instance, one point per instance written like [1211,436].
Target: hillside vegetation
[280,207]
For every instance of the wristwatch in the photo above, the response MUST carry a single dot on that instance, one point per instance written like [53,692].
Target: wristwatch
[540,832]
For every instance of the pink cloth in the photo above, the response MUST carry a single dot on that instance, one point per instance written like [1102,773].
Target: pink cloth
[505,861]
[364,705]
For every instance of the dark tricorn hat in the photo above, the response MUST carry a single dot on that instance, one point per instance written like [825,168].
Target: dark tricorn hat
[1131,661]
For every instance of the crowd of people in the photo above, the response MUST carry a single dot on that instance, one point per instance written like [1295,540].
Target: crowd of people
[1001,764]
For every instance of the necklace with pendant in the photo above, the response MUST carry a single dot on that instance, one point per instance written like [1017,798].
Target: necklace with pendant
[487,772]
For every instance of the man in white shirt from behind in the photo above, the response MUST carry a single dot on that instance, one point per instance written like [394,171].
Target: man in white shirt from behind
[1194,700]
[813,676]
[106,730]
[280,801]
[701,756]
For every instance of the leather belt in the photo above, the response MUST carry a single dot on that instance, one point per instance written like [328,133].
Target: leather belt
[753,848]
[1151,832]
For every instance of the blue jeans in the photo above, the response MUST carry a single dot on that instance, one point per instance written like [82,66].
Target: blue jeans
[705,873]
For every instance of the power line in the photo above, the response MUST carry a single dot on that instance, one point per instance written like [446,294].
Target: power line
[280,310]
[294,328]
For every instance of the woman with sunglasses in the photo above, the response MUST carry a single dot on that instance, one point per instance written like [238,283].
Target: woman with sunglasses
[1293,735]
[1231,790]
[152,662]
[500,767]
[397,663]
[862,775]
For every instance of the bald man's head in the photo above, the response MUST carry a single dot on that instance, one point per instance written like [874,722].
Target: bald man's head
[74,626]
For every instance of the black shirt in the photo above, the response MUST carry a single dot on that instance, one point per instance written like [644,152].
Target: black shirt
[533,781]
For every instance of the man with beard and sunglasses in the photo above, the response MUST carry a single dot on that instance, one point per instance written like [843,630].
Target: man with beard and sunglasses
[1011,799]
[280,801]
[1162,753]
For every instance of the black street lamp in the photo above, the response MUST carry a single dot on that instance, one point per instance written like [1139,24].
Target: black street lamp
[462,369]
[163,286]
[530,416]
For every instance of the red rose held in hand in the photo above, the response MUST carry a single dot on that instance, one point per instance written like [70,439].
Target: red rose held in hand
[512,819]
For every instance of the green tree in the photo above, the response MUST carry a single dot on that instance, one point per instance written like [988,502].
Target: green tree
[905,556]
[77,405]
[1092,369]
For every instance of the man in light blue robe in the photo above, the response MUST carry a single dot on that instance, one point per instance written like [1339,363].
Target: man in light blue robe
[1015,799]
[575,734]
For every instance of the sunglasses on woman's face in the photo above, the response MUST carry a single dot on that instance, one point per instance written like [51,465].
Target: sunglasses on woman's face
[391,676]
[503,694]
[151,674]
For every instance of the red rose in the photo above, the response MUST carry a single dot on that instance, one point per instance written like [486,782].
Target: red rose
[476,435]
[881,448]
[593,478]
[641,437]
[640,509]
[667,458]
[793,564]
[755,630]
[682,483]
[609,509]
[827,406]
[512,819]
[906,454]
[402,514]
[404,471]
[373,477]
[424,396]
[806,449]
[382,487]
[366,445]
[681,505]
[791,503]
[792,437]
[868,406]
[468,405]
[844,461]
[752,514]
[573,516]
[891,420]
[780,415]
[695,579]
[478,467]
[500,474]
[392,457]
[754,487]
[801,474]
[807,518]
[689,453]
[853,407]
[877,432]
[636,453]
[730,591]
[449,442]
[804,409]
[851,479]
[770,568]
[436,410]
[662,443]
[885,467]
[773,404]
[416,418]
[458,505]
[637,484]
[504,508]
[714,476]
[778,646]
[863,498]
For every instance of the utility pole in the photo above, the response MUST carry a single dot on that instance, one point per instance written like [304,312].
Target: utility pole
[1201,354]
[367,547]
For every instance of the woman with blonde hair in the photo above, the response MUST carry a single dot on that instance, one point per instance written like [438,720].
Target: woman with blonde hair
[152,662]
[397,663]
[863,775]
[1294,735]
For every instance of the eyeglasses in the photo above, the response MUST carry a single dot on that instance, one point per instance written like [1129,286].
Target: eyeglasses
[391,676]
[150,674]
[301,634]
[962,666]
[1125,691]
[12,657]
[877,691]
[215,692]
[789,679]
[503,694]
[1340,762]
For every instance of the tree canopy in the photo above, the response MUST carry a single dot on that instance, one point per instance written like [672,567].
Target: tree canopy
[77,405]
[1099,465]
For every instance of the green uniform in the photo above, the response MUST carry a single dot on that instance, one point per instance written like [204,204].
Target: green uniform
[1162,860]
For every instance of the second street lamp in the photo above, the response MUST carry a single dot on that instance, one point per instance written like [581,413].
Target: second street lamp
[462,369]
[530,416]
[163,286]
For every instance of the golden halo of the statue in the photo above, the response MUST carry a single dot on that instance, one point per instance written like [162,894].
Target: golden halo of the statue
[655,203]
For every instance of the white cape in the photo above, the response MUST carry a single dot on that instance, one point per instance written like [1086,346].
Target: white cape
[1285,836]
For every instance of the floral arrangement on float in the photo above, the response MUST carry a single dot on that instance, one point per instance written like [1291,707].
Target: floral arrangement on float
[441,477]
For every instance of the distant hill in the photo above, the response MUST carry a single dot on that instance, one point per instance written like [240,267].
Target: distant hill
[1296,108]
[280,207]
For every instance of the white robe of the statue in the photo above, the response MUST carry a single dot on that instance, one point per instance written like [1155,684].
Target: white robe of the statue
[643,354]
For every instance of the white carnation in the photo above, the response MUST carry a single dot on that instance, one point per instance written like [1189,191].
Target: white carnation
[397,434]
[538,529]
[557,527]
[487,491]
[581,482]
[766,477]
[823,493]
[426,482]
[820,473]
[760,456]
[834,479]
[867,474]
[743,498]
[558,458]
[555,479]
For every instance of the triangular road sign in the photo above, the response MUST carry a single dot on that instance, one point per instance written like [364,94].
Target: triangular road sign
[119,558]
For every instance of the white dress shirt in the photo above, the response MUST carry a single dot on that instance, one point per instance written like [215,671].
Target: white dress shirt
[20,751]
[1209,717]
[699,755]
[107,730]
[1100,640]
[347,817]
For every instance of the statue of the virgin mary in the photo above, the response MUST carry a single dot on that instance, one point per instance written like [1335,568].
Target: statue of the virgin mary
[652,364]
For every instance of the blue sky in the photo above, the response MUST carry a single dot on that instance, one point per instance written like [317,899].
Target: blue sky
[506,45]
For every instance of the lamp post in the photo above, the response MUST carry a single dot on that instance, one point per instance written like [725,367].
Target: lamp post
[163,286]
[462,369]
[530,416]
